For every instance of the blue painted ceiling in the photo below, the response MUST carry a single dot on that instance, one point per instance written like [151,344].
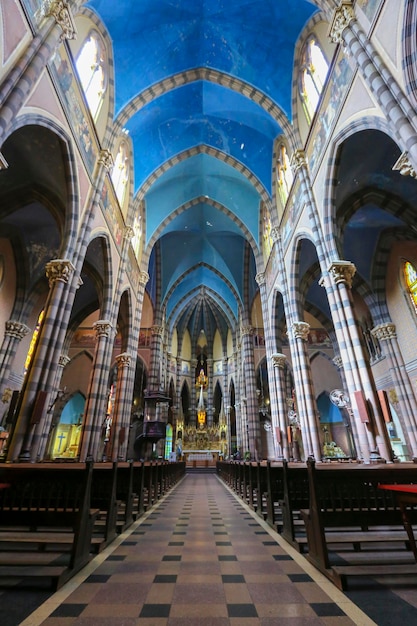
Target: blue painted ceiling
[253,42]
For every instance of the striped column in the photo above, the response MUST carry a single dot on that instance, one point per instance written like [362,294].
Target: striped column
[155,374]
[249,397]
[95,411]
[192,418]
[342,273]
[39,380]
[133,340]
[14,333]
[387,335]
[56,406]
[308,414]
[401,115]
[279,416]
[269,348]
[210,407]
[20,81]
[121,410]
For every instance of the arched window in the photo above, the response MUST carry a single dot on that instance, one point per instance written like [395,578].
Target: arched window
[120,172]
[410,275]
[92,69]
[137,235]
[284,174]
[313,72]
[267,237]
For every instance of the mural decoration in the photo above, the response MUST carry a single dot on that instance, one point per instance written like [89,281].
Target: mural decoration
[333,99]
[79,119]
[291,215]
[112,215]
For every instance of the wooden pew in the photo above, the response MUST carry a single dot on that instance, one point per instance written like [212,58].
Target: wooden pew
[104,499]
[346,507]
[295,497]
[45,518]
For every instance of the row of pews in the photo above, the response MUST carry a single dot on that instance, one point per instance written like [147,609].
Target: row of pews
[54,517]
[336,513]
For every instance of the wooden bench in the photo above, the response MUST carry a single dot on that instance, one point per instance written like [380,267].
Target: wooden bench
[46,521]
[346,507]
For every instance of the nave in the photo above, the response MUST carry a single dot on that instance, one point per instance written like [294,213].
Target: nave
[202,558]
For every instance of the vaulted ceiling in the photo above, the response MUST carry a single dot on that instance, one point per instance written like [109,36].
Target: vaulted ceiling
[203,88]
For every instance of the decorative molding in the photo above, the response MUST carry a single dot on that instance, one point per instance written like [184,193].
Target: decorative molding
[18,330]
[404,166]
[59,270]
[384,332]
[61,12]
[301,330]
[103,328]
[343,16]
[342,272]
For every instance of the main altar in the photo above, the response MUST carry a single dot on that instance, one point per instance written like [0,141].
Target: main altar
[201,441]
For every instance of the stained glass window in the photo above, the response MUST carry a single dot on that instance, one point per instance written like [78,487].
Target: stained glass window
[284,174]
[120,172]
[410,274]
[91,67]
[314,68]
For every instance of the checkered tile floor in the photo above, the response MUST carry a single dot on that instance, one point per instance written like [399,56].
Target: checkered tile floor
[199,558]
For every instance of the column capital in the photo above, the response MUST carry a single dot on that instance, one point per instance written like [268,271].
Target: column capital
[105,158]
[157,330]
[18,330]
[384,332]
[102,328]
[404,166]
[338,361]
[59,270]
[128,233]
[343,16]
[61,12]
[342,272]
[279,360]
[63,360]
[143,278]
[123,359]
[298,160]
[246,330]
[301,330]
[260,278]
[275,234]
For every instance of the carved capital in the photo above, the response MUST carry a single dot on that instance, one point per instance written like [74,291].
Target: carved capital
[301,330]
[61,12]
[16,329]
[298,160]
[246,330]
[343,16]
[143,278]
[102,328]
[157,331]
[63,360]
[337,360]
[123,359]
[404,166]
[384,332]
[128,233]
[275,234]
[279,360]
[59,270]
[260,278]
[105,158]
[342,272]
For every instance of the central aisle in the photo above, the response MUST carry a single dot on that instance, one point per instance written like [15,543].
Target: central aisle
[200,558]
